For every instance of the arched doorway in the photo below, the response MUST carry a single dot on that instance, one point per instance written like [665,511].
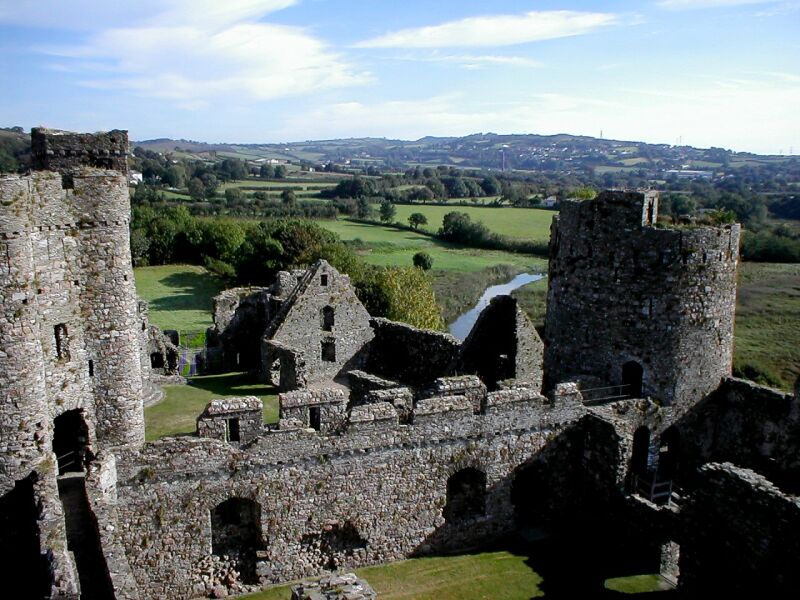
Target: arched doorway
[236,534]
[466,495]
[632,374]
[71,441]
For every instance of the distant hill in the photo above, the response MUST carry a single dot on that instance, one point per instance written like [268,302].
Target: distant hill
[486,151]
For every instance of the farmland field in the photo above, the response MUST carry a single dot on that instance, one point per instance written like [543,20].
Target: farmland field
[523,223]
[390,246]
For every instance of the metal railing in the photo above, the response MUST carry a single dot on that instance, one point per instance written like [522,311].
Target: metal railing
[602,395]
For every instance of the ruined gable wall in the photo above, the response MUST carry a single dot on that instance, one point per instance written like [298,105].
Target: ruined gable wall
[302,326]
[409,355]
[386,480]
[67,263]
[621,290]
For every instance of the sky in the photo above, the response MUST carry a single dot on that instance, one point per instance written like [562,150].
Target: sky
[722,73]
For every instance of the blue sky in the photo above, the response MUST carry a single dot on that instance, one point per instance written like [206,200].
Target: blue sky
[706,72]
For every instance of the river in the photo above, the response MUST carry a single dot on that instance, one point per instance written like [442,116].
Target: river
[461,327]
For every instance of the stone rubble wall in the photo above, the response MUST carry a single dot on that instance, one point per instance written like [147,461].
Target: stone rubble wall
[300,323]
[291,372]
[386,480]
[623,290]
[240,318]
[68,263]
[740,534]
[410,355]
[362,383]
[63,151]
[750,425]
[331,403]
[212,423]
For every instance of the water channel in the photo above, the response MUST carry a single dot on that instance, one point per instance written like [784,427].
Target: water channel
[461,327]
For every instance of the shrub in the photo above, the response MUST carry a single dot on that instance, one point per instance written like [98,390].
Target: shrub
[423,260]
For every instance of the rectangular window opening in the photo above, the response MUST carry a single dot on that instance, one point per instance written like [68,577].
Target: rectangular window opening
[91,368]
[232,429]
[314,417]
[328,351]
[323,279]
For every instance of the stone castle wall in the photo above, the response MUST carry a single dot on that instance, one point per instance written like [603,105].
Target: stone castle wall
[63,151]
[624,291]
[69,332]
[384,482]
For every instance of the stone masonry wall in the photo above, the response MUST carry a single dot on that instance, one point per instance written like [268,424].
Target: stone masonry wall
[54,150]
[411,356]
[622,290]
[69,330]
[383,481]
[302,323]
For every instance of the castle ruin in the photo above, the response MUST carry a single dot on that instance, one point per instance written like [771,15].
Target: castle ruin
[407,442]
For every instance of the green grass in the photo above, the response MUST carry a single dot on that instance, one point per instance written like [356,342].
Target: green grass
[388,246]
[483,576]
[279,184]
[767,334]
[178,412]
[523,223]
[180,296]
[637,584]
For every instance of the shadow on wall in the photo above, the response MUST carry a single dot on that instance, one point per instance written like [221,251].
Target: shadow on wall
[196,292]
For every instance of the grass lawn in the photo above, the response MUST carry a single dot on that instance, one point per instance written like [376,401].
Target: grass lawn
[390,246]
[523,223]
[484,576]
[180,296]
[178,412]
[767,334]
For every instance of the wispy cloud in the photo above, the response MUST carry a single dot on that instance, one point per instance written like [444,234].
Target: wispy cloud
[695,4]
[495,30]
[473,61]
[194,52]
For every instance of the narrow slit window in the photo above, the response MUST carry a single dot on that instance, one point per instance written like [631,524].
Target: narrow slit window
[232,430]
[91,368]
[62,341]
[314,417]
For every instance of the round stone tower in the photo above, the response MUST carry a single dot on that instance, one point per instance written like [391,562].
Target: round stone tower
[638,305]
[68,322]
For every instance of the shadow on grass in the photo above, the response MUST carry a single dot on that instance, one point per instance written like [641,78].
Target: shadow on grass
[197,291]
[232,384]
[574,567]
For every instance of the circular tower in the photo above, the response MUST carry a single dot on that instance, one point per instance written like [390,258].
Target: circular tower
[636,305]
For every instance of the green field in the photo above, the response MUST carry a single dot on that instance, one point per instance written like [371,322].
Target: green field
[767,334]
[390,246]
[179,296]
[178,412]
[484,576]
[523,223]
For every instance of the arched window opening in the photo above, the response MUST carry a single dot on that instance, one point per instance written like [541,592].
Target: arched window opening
[71,442]
[327,318]
[632,374]
[337,546]
[236,535]
[466,495]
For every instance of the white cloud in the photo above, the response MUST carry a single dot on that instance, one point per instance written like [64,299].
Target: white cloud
[209,55]
[693,4]
[473,62]
[93,15]
[495,30]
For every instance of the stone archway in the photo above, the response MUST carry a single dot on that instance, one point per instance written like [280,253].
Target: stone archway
[466,495]
[236,535]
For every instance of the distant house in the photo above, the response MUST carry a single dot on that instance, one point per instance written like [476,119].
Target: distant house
[135,178]
[550,202]
[688,174]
